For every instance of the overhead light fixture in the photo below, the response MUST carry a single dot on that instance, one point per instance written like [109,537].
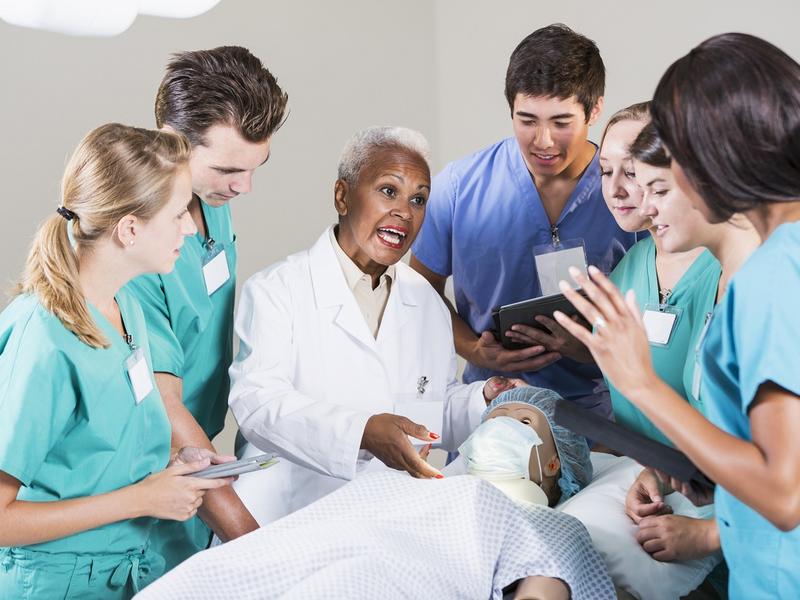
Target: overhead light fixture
[94,17]
[176,9]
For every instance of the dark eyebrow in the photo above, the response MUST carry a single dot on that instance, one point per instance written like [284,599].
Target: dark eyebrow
[238,169]
[528,115]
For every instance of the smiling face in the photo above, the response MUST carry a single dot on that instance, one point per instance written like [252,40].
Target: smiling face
[223,167]
[552,134]
[159,240]
[535,419]
[677,224]
[691,193]
[621,192]
[382,212]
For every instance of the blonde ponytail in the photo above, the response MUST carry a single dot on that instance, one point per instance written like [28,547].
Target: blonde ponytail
[115,171]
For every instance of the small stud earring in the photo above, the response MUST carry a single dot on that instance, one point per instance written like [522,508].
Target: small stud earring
[131,242]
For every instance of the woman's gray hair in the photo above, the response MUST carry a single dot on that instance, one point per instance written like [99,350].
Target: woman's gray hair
[357,150]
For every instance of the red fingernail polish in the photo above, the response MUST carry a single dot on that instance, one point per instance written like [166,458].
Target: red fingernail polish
[433,436]
[439,476]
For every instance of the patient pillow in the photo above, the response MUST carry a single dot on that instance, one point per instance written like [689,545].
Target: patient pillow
[601,508]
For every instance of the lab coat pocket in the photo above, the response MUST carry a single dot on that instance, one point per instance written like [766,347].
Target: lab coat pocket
[429,413]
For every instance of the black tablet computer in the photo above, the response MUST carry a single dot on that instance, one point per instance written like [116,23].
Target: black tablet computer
[525,313]
[630,443]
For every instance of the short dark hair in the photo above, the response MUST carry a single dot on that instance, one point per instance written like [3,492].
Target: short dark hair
[225,85]
[649,149]
[729,113]
[555,61]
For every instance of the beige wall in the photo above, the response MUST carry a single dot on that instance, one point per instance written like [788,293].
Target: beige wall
[637,39]
[346,65]
[436,66]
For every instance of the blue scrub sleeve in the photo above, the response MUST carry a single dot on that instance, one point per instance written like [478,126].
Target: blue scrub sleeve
[765,328]
[36,405]
[165,348]
[433,246]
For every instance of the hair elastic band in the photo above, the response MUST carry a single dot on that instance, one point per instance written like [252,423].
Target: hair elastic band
[66,213]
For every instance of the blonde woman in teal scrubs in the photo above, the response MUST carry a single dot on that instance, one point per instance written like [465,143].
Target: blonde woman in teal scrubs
[84,437]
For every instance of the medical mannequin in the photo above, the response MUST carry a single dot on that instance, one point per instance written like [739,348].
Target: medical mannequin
[541,453]
[507,450]
[519,449]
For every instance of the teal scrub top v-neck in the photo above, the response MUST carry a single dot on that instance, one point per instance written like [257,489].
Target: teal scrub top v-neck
[694,294]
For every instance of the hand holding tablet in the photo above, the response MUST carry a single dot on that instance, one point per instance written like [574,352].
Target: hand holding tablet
[525,313]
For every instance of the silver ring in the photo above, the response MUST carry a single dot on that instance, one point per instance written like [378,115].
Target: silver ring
[599,322]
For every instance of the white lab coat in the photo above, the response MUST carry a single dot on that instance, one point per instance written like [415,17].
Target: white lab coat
[309,374]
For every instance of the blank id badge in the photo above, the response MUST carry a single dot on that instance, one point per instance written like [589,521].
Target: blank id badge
[215,267]
[139,374]
[554,260]
[659,322]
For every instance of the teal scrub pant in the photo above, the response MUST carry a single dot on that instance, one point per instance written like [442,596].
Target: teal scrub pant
[32,574]
[176,541]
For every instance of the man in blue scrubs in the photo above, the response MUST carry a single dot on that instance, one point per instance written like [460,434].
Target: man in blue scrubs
[228,105]
[488,212]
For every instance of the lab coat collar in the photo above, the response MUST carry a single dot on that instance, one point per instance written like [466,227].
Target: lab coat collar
[331,290]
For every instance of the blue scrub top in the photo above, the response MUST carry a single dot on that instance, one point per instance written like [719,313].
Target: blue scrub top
[191,333]
[753,339]
[70,424]
[484,218]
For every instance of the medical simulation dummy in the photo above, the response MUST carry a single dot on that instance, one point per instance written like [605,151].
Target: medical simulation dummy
[84,437]
[346,352]
[521,450]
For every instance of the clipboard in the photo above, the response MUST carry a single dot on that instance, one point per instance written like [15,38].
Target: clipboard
[641,448]
[525,313]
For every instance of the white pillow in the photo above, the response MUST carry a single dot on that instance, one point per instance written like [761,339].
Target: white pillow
[601,508]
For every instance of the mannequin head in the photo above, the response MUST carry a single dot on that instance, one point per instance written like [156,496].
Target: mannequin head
[547,455]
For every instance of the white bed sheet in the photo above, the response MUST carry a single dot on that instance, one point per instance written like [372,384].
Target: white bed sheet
[386,535]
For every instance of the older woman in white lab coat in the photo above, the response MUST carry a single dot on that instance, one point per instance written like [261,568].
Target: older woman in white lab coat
[346,354]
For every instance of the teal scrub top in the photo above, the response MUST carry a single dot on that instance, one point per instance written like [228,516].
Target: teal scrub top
[70,424]
[754,338]
[694,295]
[191,333]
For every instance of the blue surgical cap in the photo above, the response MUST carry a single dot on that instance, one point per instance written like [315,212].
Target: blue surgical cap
[573,451]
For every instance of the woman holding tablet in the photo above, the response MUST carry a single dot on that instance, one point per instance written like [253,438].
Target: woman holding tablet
[84,438]
[729,115]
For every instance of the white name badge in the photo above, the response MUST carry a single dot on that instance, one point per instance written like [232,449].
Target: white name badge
[429,413]
[659,323]
[139,374]
[215,271]
[554,261]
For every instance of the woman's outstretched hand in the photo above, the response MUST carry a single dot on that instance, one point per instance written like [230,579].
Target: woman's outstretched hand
[619,342]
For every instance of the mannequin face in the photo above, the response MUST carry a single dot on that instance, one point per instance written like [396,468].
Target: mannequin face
[535,419]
